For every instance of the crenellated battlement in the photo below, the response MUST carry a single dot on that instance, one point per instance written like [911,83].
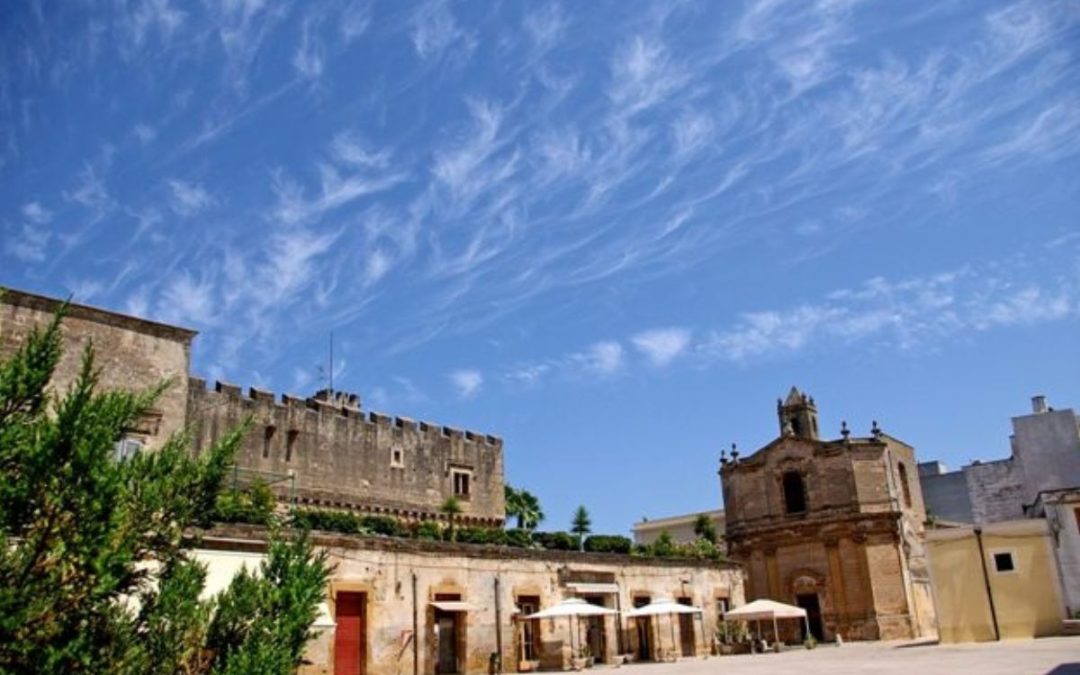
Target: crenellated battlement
[339,404]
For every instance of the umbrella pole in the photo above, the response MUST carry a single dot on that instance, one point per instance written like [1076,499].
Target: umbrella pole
[775,632]
[674,644]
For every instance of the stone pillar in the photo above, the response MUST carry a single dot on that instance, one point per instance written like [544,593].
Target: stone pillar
[836,585]
[774,575]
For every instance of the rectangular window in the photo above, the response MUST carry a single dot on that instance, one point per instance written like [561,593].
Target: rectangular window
[397,457]
[290,443]
[126,448]
[268,437]
[1076,513]
[461,484]
[1003,562]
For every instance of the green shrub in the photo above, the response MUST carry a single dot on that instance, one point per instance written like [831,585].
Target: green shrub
[429,529]
[254,504]
[608,543]
[556,541]
[481,535]
[328,521]
[384,525]
[519,538]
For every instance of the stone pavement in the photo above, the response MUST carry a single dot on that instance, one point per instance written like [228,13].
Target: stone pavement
[1048,656]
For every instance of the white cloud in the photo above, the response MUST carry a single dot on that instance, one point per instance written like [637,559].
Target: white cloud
[662,346]
[603,358]
[145,133]
[467,382]
[188,300]
[29,243]
[435,31]
[349,148]
[309,55]
[189,199]
[355,19]
[376,266]
[154,15]
[36,213]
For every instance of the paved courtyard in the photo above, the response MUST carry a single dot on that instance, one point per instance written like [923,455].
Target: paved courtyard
[1059,656]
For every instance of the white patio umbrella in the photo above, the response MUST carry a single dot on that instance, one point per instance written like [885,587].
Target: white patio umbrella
[571,607]
[662,606]
[768,609]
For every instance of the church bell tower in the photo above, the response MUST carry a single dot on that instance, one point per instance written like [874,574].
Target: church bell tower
[798,415]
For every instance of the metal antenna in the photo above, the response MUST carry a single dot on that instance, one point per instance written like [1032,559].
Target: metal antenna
[331,364]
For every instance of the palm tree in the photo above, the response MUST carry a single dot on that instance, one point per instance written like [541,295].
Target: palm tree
[512,498]
[530,514]
[524,506]
[581,525]
[451,507]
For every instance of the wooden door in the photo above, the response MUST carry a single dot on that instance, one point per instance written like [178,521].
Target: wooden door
[349,636]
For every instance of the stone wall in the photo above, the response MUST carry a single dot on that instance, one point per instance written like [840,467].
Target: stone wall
[945,492]
[343,457]
[131,354]
[996,490]
[400,581]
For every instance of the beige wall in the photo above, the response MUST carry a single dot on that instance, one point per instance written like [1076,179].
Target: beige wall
[131,353]
[487,577]
[1027,600]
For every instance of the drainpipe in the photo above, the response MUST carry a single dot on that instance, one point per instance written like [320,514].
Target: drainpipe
[986,580]
[415,631]
[498,629]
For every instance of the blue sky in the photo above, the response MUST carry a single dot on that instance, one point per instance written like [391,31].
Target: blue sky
[612,233]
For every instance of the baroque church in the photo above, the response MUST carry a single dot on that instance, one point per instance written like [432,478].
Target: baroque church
[833,526]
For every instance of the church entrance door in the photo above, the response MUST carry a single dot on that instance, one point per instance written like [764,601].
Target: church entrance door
[809,602]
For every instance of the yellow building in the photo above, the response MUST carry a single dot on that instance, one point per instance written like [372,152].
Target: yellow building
[998,581]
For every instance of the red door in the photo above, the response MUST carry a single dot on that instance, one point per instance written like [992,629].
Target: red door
[349,635]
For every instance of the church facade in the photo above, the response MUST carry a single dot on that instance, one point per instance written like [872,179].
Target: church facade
[834,526]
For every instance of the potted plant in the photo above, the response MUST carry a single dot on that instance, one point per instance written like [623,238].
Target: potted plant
[810,642]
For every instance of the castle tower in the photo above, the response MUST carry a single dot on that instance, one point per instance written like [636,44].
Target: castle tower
[798,415]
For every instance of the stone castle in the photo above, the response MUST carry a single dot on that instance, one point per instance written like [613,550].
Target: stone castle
[331,452]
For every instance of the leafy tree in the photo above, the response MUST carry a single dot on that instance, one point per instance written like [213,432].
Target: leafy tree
[581,525]
[704,528]
[524,506]
[451,508]
[84,536]
[664,546]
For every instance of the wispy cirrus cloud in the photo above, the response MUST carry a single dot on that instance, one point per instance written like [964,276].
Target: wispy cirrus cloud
[467,382]
[663,345]
[187,198]
[435,32]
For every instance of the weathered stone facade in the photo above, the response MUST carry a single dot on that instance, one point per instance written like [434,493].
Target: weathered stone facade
[131,353]
[401,584]
[833,526]
[343,458]
[333,453]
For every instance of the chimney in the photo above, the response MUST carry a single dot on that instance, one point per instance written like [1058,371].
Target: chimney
[1038,404]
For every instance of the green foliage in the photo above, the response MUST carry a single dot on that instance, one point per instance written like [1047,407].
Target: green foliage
[329,521]
[704,528]
[663,547]
[482,535]
[519,538]
[428,529]
[273,610]
[82,536]
[524,506]
[253,504]
[608,543]
[556,541]
[666,547]
[732,632]
[384,525]
[581,525]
